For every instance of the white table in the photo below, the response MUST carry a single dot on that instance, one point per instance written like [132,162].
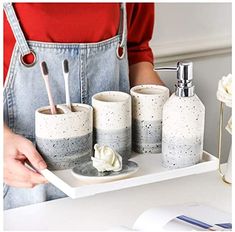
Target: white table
[103,211]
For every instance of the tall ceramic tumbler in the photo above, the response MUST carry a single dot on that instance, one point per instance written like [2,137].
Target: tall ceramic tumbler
[112,121]
[147,105]
[64,139]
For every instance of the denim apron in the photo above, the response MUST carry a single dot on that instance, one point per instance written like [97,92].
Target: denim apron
[94,67]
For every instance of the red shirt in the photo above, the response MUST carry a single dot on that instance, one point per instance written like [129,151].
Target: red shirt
[82,22]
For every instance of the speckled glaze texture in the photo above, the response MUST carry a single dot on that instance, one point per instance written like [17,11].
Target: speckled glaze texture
[183,130]
[112,121]
[65,139]
[65,153]
[119,140]
[147,136]
[147,105]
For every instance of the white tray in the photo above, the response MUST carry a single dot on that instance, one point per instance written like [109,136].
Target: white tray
[150,171]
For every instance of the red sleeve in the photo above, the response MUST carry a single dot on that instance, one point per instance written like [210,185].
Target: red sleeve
[140,30]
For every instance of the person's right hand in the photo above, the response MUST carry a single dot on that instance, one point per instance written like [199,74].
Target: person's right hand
[18,150]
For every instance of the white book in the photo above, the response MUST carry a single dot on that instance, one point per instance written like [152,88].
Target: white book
[186,217]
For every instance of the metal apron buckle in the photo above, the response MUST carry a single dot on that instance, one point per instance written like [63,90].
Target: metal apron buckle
[120,57]
[28,65]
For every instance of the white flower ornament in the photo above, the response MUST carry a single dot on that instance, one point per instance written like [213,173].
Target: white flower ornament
[106,159]
[224,94]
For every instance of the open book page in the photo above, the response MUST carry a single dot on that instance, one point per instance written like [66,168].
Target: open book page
[156,218]
[203,213]
[165,218]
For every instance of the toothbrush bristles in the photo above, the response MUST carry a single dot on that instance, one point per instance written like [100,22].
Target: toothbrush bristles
[44,68]
[66,66]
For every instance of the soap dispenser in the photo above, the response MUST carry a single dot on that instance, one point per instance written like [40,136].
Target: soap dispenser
[182,121]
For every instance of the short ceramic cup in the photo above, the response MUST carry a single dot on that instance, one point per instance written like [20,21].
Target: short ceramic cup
[65,139]
[147,105]
[112,121]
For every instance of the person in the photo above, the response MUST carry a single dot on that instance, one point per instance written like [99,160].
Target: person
[107,47]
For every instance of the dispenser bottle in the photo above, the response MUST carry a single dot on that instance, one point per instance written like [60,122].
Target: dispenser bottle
[182,121]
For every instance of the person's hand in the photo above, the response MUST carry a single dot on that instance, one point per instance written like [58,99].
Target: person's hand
[18,150]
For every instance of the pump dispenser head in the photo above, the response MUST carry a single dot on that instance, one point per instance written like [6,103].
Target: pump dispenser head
[184,86]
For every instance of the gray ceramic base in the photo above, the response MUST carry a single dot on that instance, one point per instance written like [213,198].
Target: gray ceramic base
[180,156]
[65,153]
[147,136]
[119,140]
[87,169]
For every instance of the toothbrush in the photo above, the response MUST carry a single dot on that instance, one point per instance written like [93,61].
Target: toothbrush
[65,66]
[44,71]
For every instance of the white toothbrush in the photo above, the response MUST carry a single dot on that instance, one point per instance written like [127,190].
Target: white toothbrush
[44,71]
[65,66]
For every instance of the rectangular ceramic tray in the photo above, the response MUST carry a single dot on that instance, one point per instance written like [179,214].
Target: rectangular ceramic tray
[150,171]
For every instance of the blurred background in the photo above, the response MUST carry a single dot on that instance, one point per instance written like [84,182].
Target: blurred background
[201,33]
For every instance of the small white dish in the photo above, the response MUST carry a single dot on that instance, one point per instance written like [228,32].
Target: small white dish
[87,173]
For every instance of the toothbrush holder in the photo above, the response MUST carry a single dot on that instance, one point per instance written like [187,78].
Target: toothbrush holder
[147,105]
[112,121]
[64,139]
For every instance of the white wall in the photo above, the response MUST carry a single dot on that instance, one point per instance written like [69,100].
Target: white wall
[200,32]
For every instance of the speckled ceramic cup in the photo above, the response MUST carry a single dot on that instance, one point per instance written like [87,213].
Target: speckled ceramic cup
[64,139]
[112,121]
[147,105]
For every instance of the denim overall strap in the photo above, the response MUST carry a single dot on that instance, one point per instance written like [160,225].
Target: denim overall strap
[123,25]
[17,31]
